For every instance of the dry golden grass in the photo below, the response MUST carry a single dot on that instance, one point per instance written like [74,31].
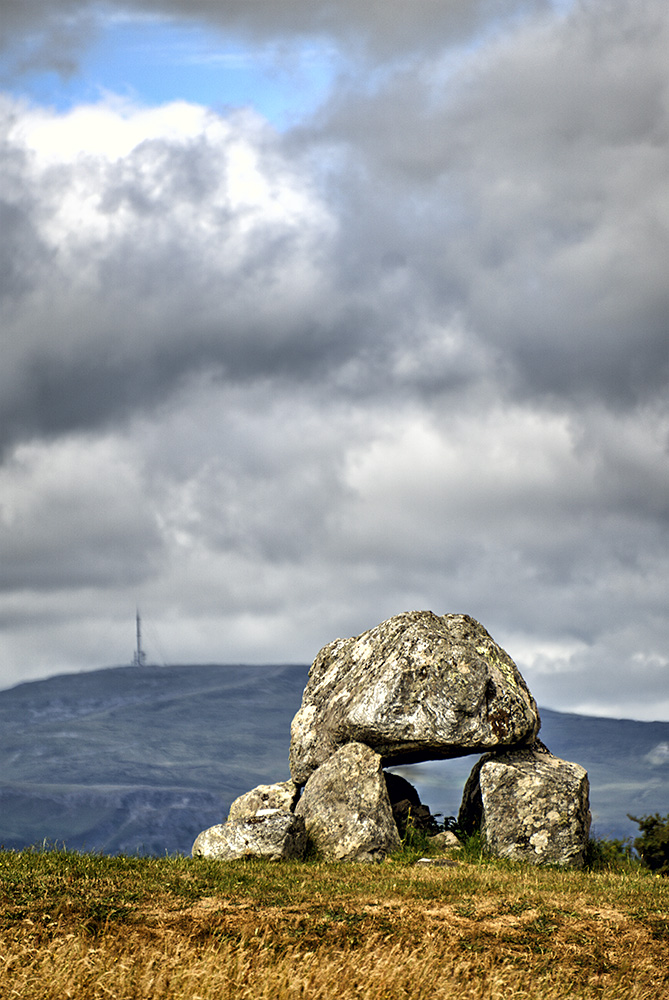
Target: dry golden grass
[76,926]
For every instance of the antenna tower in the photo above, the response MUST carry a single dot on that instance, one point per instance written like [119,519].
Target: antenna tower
[139,656]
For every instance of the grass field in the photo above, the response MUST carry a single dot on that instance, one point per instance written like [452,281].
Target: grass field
[92,926]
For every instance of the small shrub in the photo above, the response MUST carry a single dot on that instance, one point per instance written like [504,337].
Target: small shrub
[653,842]
[415,840]
[609,854]
[473,847]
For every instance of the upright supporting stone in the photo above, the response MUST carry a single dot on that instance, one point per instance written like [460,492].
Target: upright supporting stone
[346,808]
[529,806]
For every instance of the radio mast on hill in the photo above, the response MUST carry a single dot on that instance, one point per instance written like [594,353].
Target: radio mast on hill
[139,657]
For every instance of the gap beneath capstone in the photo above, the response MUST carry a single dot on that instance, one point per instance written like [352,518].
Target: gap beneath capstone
[439,783]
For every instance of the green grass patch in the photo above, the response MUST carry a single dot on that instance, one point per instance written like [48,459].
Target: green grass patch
[175,928]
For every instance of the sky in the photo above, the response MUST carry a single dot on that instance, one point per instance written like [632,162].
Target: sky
[313,313]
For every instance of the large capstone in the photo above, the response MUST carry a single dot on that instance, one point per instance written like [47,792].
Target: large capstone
[529,806]
[272,833]
[417,687]
[346,808]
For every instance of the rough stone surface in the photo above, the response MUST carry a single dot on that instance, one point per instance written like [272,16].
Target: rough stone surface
[273,834]
[437,862]
[417,687]
[282,795]
[346,809]
[445,841]
[529,806]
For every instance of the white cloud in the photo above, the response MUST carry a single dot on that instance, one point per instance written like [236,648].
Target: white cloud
[278,387]
[110,129]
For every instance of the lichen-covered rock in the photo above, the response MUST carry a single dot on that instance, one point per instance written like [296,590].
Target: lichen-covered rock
[282,795]
[273,834]
[529,806]
[445,841]
[346,809]
[417,687]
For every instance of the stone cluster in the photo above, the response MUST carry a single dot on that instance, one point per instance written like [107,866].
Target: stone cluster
[417,687]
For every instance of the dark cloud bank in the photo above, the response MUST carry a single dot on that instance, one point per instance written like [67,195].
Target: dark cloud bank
[412,352]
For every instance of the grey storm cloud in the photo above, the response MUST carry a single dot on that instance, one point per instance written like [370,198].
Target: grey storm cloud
[530,193]
[410,352]
[53,33]
[183,280]
[524,203]
[44,35]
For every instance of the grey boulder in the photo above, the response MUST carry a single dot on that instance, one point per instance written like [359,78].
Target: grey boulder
[346,808]
[445,841]
[416,687]
[272,833]
[282,795]
[529,806]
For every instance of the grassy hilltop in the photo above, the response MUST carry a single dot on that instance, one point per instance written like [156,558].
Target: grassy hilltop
[174,928]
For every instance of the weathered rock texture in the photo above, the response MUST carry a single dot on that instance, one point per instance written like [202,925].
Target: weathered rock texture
[417,687]
[346,809]
[273,834]
[529,806]
[282,795]
[445,841]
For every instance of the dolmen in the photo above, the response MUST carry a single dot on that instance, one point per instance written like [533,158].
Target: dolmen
[417,687]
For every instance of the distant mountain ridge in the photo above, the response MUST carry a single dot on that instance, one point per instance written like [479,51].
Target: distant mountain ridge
[141,759]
